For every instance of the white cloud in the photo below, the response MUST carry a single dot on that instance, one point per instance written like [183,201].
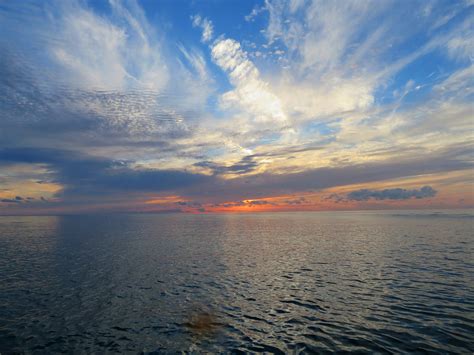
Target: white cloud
[205,25]
[324,72]
[320,102]
[251,93]
[461,45]
[257,10]
[90,50]
[460,84]
[113,68]
[337,57]
[107,53]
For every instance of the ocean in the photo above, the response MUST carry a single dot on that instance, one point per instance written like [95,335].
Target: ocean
[306,282]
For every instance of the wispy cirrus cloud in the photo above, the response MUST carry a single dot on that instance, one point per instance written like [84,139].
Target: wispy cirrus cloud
[113,69]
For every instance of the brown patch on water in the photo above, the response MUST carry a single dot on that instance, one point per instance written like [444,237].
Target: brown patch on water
[202,324]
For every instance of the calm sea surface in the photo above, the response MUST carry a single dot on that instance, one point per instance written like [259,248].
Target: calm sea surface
[282,282]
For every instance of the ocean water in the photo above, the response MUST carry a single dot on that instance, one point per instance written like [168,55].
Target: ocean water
[279,283]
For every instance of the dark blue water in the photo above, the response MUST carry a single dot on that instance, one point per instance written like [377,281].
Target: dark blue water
[283,282]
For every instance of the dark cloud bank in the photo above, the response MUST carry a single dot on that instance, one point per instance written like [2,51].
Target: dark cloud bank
[90,180]
[82,174]
[391,194]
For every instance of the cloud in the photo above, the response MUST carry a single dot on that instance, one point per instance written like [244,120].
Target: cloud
[247,203]
[193,204]
[257,10]
[340,58]
[325,67]
[20,199]
[10,200]
[245,165]
[86,176]
[94,50]
[205,25]
[461,46]
[116,107]
[83,175]
[90,50]
[251,93]
[126,179]
[392,194]
[268,184]
[297,201]
[258,203]
[108,72]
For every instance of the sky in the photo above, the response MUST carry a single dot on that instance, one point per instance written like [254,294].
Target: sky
[235,106]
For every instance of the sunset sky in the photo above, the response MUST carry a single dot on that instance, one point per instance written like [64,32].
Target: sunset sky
[235,106]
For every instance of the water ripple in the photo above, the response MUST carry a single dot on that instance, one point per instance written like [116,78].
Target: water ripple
[275,283]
